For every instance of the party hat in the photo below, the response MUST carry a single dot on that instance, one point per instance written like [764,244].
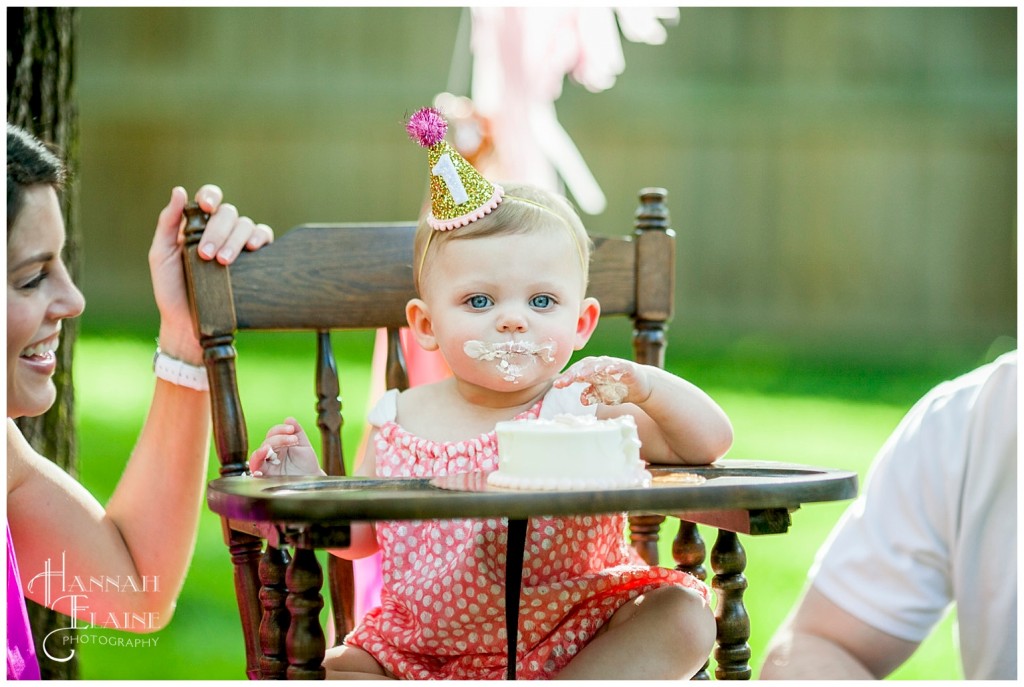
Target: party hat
[458,193]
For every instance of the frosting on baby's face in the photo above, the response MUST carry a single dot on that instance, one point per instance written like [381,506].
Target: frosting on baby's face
[511,357]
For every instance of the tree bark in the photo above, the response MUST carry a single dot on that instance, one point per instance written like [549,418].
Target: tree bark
[41,99]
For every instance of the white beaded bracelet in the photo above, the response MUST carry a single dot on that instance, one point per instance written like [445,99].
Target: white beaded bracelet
[179,372]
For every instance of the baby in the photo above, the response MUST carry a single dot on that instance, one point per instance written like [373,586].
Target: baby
[503,297]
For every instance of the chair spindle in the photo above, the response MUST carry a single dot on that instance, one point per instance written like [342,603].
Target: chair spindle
[728,560]
[643,534]
[655,289]
[275,622]
[396,374]
[654,241]
[689,552]
[305,640]
[329,418]
[216,335]
[328,406]
[245,555]
[229,434]
[216,327]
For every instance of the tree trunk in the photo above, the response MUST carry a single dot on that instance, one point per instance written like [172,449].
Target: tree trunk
[41,99]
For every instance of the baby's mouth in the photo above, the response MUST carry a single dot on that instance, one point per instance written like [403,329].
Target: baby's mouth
[511,356]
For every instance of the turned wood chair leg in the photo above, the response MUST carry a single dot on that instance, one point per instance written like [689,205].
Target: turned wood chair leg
[275,622]
[643,535]
[689,551]
[728,560]
[245,554]
[305,640]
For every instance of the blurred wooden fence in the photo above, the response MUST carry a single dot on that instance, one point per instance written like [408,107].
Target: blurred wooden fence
[839,177]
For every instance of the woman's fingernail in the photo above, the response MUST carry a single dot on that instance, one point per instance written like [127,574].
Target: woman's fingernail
[225,254]
[208,250]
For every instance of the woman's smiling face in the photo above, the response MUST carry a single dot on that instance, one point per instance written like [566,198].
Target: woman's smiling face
[40,294]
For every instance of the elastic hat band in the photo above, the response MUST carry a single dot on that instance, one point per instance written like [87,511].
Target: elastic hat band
[572,232]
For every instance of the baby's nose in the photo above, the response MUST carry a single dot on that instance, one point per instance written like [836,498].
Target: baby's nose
[511,322]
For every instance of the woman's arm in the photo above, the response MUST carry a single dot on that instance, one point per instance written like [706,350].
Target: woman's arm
[140,546]
[142,542]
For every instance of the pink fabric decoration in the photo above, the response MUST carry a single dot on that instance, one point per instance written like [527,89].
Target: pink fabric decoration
[521,56]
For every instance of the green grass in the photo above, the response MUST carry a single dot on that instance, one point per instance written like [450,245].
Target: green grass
[811,414]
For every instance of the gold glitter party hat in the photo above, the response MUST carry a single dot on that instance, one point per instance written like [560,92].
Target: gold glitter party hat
[459,194]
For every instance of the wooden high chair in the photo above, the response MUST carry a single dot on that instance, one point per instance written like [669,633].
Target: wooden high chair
[359,276]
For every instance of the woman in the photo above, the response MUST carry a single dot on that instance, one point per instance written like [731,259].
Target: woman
[120,566]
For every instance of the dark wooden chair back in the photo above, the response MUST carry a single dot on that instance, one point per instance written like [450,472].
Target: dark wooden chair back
[325,277]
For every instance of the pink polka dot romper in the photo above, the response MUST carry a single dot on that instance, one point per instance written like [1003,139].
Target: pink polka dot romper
[442,612]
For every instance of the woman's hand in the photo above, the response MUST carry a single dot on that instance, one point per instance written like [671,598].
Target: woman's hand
[285,451]
[225,237]
[610,381]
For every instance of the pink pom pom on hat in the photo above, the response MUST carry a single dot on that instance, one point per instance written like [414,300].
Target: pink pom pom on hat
[459,194]
[427,127]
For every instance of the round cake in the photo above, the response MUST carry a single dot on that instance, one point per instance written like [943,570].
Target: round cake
[569,452]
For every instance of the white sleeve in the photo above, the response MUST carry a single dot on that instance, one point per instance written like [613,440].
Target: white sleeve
[892,559]
[887,560]
[565,402]
[385,410]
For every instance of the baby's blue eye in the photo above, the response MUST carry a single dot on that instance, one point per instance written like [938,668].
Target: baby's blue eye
[478,301]
[542,302]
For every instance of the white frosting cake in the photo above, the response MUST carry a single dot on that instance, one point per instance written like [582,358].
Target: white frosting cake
[569,452]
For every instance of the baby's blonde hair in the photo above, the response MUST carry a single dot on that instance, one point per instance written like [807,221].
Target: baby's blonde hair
[523,209]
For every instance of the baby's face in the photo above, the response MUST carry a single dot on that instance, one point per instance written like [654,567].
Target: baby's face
[506,309]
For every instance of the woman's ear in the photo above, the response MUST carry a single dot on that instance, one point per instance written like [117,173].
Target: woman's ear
[590,313]
[417,314]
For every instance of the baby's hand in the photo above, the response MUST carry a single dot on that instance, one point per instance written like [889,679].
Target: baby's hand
[285,451]
[609,381]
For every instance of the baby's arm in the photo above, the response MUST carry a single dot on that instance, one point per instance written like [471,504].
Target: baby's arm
[287,451]
[677,422]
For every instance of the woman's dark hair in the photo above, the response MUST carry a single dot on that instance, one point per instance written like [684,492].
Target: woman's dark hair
[29,161]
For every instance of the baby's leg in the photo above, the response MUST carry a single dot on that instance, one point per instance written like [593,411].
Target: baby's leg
[666,634]
[352,663]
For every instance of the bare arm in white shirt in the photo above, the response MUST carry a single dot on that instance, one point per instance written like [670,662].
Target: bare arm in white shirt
[821,641]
